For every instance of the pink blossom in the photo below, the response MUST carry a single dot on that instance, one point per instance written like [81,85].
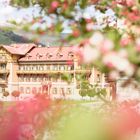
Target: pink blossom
[89,26]
[130,70]
[90,54]
[106,46]
[96,39]
[114,74]
[78,52]
[108,59]
[70,62]
[114,60]
[133,17]
[130,2]
[54,4]
[27,131]
[123,53]
[138,44]
[76,33]
[138,48]
[124,41]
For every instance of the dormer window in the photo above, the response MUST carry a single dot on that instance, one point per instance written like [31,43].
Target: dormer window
[70,54]
[28,56]
[59,55]
[49,55]
[38,55]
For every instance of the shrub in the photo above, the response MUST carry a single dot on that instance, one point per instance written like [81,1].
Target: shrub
[6,93]
[83,92]
[91,93]
[15,93]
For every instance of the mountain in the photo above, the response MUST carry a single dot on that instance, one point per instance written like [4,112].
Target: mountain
[47,40]
[9,37]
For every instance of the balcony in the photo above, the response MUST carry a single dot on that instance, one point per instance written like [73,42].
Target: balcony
[51,71]
[83,71]
[43,72]
[3,61]
[3,71]
[3,82]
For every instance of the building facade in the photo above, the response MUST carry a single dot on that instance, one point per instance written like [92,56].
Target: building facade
[32,69]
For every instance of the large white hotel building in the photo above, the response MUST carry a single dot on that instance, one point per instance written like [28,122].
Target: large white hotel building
[29,68]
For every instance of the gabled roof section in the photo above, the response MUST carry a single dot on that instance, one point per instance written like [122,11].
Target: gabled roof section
[48,54]
[19,49]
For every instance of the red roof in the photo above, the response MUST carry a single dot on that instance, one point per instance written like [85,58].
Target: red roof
[19,49]
[48,54]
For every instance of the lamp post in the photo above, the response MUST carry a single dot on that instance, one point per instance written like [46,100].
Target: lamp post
[74,75]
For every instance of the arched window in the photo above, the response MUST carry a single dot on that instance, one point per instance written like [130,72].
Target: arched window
[54,91]
[68,91]
[34,90]
[21,89]
[28,90]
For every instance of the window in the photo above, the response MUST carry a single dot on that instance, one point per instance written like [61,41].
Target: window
[37,68]
[39,90]
[34,90]
[49,78]
[45,78]
[32,67]
[2,57]
[3,89]
[21,78]
[54,91]
[20,67]
[37,78]
[40,79]
[49,55]
[23,67]
[34,79]
[98,78]
[21,89]
[27,78]
[62,67]
[52,67]
[59,55]
[69,68]
[62,92]
[68,91]
[28,57]
[70,54]
[3,66]
[26,67]
[27,90]
[41,67]
[56,67]
[38,56]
